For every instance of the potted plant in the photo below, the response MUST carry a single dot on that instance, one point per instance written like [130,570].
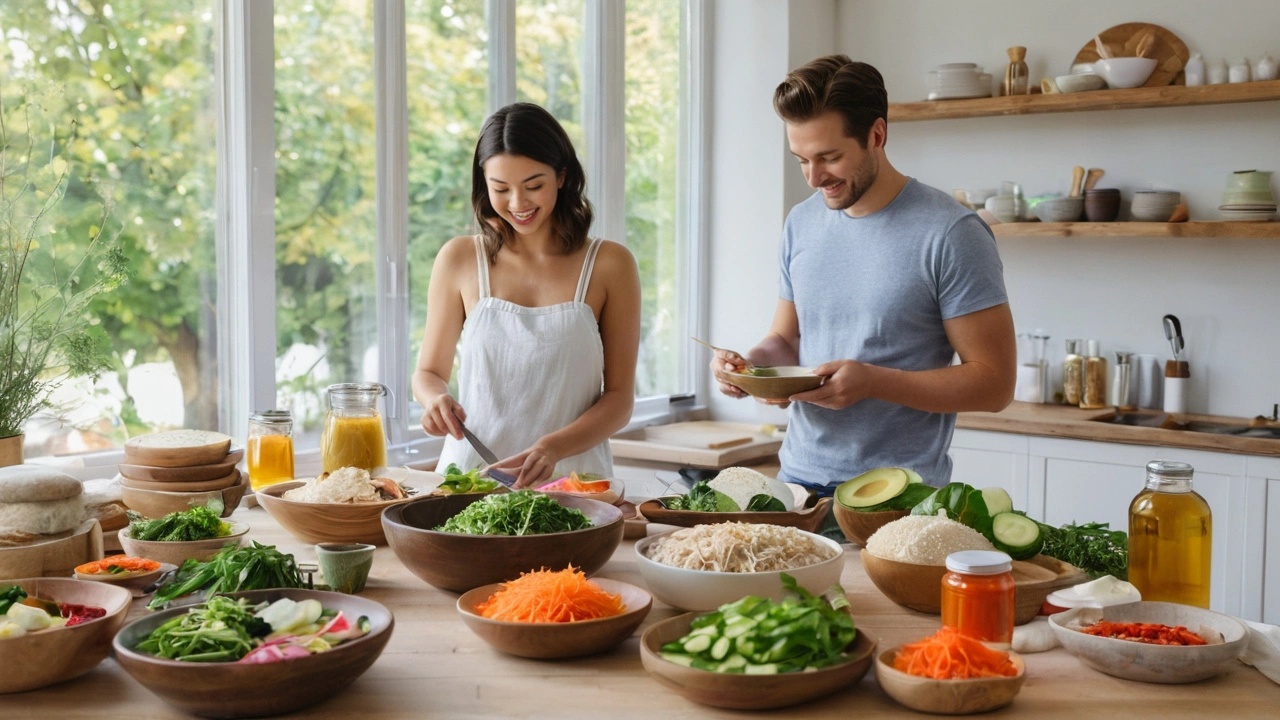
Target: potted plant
[46,280]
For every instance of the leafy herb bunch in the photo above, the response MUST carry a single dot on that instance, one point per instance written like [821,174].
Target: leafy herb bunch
[45,331]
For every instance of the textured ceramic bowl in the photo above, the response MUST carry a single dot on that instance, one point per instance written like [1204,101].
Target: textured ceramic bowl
[1003,208]
[705,590]
[459,562]
[1079,82]
[1154,205]
[39,659]
[549,641]
[786,381]
[1168,664]
[1125,72]
[948,697]
[858,526]
[1102,204]
[233,690]
[749,692]
[1059,210]
[176,553]
[326,522]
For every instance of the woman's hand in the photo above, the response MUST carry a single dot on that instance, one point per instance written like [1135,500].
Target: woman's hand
[531,467]
[727,361]
[444,416]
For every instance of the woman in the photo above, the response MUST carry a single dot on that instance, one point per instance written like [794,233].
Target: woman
[549,319]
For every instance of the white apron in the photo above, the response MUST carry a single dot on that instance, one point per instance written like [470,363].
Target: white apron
[528,371]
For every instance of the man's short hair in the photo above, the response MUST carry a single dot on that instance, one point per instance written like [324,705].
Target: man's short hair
[837,84]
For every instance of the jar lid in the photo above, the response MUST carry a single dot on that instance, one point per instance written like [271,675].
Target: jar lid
[979,562]
[271,417]
[1170,469]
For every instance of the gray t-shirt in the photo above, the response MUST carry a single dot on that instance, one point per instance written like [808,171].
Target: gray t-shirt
[876,289]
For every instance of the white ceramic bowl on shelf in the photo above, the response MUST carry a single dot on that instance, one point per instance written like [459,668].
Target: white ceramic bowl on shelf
[1125,72]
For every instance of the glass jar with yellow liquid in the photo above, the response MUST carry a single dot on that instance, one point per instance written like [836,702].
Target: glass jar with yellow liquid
[353,435]
[269,449]
[1170,537]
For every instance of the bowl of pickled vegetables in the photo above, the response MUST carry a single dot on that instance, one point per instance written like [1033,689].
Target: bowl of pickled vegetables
[263,652]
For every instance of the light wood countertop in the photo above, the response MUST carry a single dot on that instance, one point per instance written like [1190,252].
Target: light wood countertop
[434,667]
[1065,421]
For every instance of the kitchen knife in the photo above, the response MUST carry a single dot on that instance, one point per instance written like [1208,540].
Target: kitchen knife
[487,455]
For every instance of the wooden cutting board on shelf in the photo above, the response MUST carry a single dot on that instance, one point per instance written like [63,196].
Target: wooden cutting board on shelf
[699,443]
[1170,53]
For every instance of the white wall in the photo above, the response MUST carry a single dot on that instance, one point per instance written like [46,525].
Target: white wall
[1226,292]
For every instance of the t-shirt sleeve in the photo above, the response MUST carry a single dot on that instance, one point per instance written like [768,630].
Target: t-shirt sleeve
[784,264]
[970,276]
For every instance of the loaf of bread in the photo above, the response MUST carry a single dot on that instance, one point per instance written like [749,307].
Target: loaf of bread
[39,500]
[177,448]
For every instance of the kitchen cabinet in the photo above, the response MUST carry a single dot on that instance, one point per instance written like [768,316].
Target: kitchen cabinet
[1264,479]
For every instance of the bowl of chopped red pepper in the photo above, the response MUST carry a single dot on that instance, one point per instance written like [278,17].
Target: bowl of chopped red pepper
[59,627]
[1154,642]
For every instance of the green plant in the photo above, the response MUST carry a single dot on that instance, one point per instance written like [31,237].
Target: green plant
[46,333]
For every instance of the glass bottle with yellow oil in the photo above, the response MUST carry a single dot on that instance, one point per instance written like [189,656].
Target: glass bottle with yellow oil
[1170,537]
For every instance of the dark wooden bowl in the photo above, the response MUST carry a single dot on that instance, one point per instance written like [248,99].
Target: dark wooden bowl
[326,522]
[458,562]
[51,656]
[547,641]
[232,690]
[858,526]
[809,520]
[749,692]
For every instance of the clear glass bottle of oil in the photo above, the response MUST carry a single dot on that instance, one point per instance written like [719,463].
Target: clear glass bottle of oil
[1170,537]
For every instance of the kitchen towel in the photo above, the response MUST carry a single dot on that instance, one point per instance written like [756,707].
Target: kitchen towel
[1263,651]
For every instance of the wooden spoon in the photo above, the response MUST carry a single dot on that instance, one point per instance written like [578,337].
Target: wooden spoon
[1077,175]
[1095,174]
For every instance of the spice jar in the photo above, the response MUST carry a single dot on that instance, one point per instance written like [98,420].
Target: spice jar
[1093,393]
[1170,537]
[1072,373]
[1016,75]
[977,596]
[269,448]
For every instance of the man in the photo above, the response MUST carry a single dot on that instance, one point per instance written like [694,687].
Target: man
[883,280]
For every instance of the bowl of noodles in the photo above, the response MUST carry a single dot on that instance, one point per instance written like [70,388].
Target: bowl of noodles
[706,566]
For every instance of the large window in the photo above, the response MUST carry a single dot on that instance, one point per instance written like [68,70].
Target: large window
[123,93]
[549,61]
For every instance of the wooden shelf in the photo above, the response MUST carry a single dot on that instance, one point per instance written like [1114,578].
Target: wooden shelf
[1258,230]
[1146,97]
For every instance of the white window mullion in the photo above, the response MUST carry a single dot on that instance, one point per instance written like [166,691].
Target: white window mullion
[692,161]
[392,121]
[500,16]
[604,115]
[246,190]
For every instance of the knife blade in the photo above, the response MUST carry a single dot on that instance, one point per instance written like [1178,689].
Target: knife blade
[489,457]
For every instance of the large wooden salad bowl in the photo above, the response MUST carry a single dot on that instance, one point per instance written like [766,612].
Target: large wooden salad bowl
[809,520]
[749,692]
[233,690]
[326,522]
[458,562]
[51,656]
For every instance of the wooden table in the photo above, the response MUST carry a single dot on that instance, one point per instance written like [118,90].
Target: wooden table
[434,667]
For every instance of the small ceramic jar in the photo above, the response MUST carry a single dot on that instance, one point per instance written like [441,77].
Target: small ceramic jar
[1195,70]
[1216,72]
[1239,71]
[1265,69]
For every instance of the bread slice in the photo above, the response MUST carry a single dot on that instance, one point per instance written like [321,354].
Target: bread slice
[177,448]
[37,483]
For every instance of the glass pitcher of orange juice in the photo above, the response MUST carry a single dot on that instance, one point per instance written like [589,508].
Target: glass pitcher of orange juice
[269,451]
[353,435]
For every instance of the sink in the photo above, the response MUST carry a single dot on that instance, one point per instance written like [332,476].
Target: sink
[1155,420]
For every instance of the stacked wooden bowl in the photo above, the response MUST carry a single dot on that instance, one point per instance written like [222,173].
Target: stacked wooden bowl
[172,471]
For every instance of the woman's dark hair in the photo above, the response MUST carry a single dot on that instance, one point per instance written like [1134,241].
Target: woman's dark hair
[855,90]
[528,130]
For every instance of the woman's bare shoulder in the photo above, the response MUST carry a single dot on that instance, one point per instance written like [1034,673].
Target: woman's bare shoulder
[614,257]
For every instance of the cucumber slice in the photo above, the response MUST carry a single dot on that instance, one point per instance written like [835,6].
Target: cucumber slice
[872,487]
[997,500]
[733,663]
[678,658]
[697,644]
[721,648]
[765,669]
[1017,535]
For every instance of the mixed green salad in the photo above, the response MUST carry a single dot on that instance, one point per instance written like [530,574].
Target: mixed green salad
[703,498]
[523,512]
[253,567]
[198,523]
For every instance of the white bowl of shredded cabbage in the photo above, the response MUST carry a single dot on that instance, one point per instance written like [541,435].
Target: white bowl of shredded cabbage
[706,566]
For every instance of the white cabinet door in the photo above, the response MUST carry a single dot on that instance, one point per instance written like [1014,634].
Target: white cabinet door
[987,459]
[1271,572]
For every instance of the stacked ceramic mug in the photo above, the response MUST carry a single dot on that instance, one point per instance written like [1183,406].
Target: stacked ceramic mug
[1248,197]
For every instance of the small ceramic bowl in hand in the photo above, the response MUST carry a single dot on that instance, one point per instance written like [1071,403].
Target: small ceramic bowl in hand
[782,382]
[1125,72]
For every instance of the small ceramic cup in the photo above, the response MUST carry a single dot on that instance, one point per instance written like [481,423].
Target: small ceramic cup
[345,567]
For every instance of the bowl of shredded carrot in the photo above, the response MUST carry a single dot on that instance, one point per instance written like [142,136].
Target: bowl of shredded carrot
[550,614]
[950,674]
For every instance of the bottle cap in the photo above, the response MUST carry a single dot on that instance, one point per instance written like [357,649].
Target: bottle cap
[979,562]
[1092,348]
[1170,469]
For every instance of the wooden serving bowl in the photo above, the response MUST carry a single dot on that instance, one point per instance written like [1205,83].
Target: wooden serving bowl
[175,553]
[459,562]
[232,690]
[57,556]
[548,641]
[790,379]
[50,656]
[809,520]
[919,587]
[948,697]
[748,692]
[326,522]
[191,473]
[158,503]
[858,526]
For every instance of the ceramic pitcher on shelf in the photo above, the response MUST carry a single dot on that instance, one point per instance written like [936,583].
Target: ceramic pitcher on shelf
[1265,69]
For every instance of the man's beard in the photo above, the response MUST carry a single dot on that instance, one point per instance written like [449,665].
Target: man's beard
[856,186]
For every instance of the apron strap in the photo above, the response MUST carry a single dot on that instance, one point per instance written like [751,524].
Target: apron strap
[482,266]
[585,279]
